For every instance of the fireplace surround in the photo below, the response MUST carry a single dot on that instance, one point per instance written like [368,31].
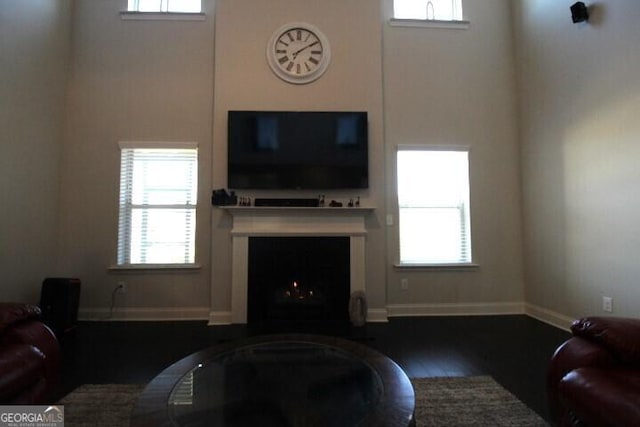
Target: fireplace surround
[252,221]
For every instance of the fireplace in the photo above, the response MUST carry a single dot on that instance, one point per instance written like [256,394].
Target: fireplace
[298,279]
[251,222]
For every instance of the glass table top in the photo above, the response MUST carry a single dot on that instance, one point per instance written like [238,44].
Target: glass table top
[284,380]
[266,384]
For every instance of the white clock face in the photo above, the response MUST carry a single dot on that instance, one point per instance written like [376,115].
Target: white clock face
[298,53]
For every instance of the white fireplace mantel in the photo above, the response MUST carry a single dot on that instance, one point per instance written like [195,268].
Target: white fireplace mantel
[251,221]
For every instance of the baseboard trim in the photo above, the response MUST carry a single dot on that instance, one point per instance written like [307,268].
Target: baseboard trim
[550,317]
[450,309]
[220,318]
[374,315]
[143,314]
[377,315]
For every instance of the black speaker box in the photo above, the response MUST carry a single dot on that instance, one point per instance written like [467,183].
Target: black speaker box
[59,301]
[294,202]
[579,12]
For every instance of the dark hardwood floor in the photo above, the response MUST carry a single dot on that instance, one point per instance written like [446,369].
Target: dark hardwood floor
[514,350]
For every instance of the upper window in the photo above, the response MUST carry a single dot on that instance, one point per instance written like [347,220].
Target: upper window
[438,10]
[433,200]
[174,6]
[158,194]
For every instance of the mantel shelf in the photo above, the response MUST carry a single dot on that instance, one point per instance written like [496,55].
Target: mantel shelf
[243,210]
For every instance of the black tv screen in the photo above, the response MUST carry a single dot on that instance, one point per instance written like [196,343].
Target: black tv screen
[297,150]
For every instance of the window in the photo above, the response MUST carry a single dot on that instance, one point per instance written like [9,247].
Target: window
[439,10]
[433,200]
[158,197]
[173,6]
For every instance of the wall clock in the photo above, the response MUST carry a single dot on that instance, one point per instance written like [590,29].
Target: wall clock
[298,53]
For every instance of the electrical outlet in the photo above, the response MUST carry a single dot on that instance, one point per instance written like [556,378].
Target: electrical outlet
[389,220]
[607,304]
[404,284]
[122,287]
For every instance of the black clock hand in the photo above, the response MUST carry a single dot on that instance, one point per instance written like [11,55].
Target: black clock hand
[295,54]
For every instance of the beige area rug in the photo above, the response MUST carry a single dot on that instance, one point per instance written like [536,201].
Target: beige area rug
[450,402]
[469,401]
[100,405]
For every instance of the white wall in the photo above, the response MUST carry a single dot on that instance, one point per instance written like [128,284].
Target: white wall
[156,80]
[34,52]
[457,87]
[580,89]
[579,103]
[132,80]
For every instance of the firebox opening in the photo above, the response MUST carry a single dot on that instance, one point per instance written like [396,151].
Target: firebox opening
[298,279]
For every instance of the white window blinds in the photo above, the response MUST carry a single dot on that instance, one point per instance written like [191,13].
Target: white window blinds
[158,198]
[175,6]
[433,200]
[441,10]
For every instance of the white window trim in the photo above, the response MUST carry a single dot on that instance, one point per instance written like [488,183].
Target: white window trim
[429,23]
[159,15]
[157,267]
[453,24]
[180,145]
[461,266]
[468,266]
[127,15]
[433,147]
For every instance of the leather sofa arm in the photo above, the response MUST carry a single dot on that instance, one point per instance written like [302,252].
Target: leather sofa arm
[13,312]
[574,353]
[20,328]
[39,335]
[620,336]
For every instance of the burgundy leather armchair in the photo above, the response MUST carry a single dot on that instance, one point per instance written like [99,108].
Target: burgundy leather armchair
[594,377]
[29,355]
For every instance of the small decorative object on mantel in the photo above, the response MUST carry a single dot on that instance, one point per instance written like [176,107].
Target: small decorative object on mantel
[335,204]
[221,197]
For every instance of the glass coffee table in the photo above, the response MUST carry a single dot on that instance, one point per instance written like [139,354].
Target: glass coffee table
[279,380]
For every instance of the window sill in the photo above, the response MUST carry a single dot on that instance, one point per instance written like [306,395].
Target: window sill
[438,267]
[161,16]
[429,23]
[154,267]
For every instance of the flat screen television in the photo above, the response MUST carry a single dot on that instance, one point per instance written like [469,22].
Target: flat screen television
[298,150]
